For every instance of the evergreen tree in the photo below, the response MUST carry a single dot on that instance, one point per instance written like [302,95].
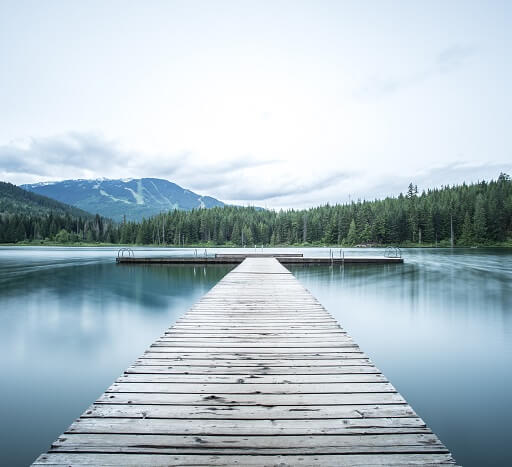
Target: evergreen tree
[466,237]
[236,234]
[479,222]
[352,238]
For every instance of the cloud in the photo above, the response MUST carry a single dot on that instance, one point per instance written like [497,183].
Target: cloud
[454,57]
[366,186]
[291,187]
[449,174]
[80,153]
[448,60]
[77,155]
[189,169]
[87,155]
[246,180]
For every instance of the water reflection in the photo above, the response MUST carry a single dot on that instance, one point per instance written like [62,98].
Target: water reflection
[440,327]
[69,328]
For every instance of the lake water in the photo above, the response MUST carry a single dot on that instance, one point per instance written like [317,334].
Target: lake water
[439,327]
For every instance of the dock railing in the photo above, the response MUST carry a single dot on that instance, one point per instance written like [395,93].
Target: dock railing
[393,252]
[129,252]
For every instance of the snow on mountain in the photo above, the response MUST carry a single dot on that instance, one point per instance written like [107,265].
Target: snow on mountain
[132,199]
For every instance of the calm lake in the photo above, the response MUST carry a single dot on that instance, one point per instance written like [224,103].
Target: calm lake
[439,327]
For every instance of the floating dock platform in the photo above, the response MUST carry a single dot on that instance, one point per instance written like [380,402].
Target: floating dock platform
[235,258]
[257,373]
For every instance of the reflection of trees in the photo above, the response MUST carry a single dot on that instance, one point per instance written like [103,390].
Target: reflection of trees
[437,283]
[153,285]
[388,281]
[352,273]
[87,308]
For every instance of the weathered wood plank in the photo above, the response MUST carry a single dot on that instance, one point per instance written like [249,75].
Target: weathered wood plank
[302,460]
[239,327]
[257,321]
[251,379]
[256,350]
[305,429]
[142,368]
[227,333]
[256,342]
[267,419]
[250,399]
[263,362]
[255,388]
[251,344]
[249,444]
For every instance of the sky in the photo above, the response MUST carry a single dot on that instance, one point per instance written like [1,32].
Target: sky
[280,104]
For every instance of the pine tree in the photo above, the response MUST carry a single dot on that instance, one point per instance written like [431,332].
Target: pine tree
[139,239]
[352,238]
[410,191]
[479,221]
[248,236]
[466,237]
[236,234]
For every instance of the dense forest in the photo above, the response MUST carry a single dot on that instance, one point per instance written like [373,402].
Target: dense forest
[463,215]
[26,216]
[14,199]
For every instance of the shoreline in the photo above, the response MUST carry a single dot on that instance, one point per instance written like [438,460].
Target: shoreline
[506,245]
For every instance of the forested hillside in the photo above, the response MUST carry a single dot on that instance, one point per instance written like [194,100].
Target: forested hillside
[29,216]
[476,214]
[14,199]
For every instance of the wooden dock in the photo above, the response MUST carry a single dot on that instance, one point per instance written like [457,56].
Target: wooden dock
[256,373]
[239,258]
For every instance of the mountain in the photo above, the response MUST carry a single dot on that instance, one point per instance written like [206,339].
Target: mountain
[133,198]
[15,200]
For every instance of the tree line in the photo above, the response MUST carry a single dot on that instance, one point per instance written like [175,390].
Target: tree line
[463,215]
[56,227]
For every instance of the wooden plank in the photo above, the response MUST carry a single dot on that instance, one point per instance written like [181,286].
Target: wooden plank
[250,379]
[283,321]
[255,419]
[279,340]
[249,444]
[255,310]
[267,340]
[255,388]
[338,349]
[281,329]
[302,460]
[357,434]
[256,373]
[250,399]
[252,371]
[255,344]
[262,362]
[255,333]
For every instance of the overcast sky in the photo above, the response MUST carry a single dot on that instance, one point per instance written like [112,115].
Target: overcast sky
[274,103]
